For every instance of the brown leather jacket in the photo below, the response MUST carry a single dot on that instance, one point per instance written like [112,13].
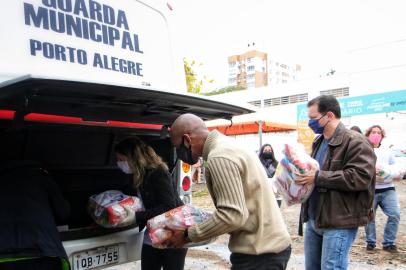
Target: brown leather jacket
[346,182]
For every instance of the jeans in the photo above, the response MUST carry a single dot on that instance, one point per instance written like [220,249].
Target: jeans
[327,248]
[266,261]
[168,259]
[388,201]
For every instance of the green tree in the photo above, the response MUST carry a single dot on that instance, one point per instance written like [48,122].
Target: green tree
[194,84]
[226,89]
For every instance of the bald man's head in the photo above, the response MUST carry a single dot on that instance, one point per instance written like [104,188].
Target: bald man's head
[190,130]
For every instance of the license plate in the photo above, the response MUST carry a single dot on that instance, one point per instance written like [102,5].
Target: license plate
[97,257]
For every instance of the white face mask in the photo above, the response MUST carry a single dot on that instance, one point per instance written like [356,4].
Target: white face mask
[123,165]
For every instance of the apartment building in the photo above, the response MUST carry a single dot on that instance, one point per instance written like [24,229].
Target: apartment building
[248,70]
[280,73]
[254,69]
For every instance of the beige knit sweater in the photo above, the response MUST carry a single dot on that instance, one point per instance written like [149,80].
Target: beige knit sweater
[245,203]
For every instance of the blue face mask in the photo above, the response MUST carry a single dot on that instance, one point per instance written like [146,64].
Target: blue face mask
[315,125]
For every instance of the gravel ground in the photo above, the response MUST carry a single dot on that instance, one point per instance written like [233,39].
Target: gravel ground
[216,255]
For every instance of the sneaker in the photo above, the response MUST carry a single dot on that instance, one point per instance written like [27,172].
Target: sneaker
[391,249]
[370,247]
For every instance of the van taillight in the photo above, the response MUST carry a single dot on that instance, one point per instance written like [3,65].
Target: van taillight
[185,167]
[186,183]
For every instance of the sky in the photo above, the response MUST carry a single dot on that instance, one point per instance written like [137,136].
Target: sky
[318,34]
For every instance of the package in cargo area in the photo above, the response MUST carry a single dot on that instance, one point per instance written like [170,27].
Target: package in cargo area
[295,161]
[112,208]
[160,228]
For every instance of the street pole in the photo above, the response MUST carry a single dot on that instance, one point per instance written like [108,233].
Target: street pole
[260,133]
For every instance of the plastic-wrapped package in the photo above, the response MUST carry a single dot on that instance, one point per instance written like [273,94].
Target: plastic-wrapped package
[389,172]
[295,161]
[160,227]
[159,236]
[384,172]
[112,208]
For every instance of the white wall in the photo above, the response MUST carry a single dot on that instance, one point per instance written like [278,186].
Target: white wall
[277,140]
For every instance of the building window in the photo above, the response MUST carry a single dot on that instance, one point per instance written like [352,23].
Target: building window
[231,64]
[339,92]
[286,100]
[232,80]
[251,84]
[284,74]
[251,77]
[284,81]
[250,68]
[249,60]
[256,103]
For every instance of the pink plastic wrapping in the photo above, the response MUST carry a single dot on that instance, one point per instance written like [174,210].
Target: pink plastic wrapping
[295,161]
[112,208]
[160,227]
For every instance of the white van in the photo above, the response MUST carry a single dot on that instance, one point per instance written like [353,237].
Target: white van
[77,76]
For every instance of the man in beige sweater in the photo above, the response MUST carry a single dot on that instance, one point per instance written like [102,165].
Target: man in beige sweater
[246,207]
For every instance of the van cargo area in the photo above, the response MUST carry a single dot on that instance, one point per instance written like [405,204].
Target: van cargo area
[71,127]
[81,161]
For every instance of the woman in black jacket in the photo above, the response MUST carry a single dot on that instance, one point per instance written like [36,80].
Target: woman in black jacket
[152,183]
[268,160]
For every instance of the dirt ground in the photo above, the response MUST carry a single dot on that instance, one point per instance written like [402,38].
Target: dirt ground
[215,256]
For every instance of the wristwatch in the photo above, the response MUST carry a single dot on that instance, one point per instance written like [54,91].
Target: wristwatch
[186,236]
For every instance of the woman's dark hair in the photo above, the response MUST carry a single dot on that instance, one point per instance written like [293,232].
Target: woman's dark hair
[326,103]
[274,162]
[356,128]
[369,130]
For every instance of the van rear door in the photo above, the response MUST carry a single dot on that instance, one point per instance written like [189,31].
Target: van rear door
[103,103]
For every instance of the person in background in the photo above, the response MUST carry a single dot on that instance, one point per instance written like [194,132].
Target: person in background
[31,205]
[268,160]
[356,128]
[152,183]
[385,193]
[245,207]
[342,199]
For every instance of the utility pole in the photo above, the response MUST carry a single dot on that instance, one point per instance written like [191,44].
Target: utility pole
[260,122]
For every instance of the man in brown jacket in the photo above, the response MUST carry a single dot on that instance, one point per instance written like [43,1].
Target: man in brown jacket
[344,187]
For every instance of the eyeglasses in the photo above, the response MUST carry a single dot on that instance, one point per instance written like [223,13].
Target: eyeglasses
[320,117]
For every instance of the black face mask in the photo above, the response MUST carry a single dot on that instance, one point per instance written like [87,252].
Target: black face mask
[185,154]
[267,155]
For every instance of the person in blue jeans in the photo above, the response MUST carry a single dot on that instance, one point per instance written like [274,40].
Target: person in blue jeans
[385,193]
[342,199]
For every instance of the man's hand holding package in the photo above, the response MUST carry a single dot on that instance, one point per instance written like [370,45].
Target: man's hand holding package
[305,179]
[178,239]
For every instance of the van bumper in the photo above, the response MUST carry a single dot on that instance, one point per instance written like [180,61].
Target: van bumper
[129,243]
